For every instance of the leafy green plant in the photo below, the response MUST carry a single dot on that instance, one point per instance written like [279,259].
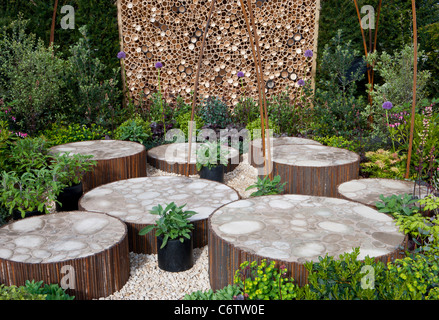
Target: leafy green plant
[172,224]
[50,291]
[245,111]
[61,133]
[339,142]
[383,164]
[137,130]
[266,186]
[254,128]
[33,190]
[182,122]
[397,204]
[230,292]
[264,281]
[211,154]
[70,168]
[215,113]
[18,293]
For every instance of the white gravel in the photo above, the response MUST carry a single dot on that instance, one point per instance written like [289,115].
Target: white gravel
[148,282]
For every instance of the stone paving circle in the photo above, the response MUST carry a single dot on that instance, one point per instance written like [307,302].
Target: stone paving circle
[101,149]
[368,191]
[59,237]
[131,200]
[299,228]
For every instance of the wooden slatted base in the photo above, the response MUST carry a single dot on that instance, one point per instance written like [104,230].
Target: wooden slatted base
[92,275]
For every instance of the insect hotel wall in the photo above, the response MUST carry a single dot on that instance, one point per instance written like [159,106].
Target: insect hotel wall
[171,32]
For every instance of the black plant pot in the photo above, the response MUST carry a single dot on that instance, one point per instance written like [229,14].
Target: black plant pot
[16,214]
[176,256]
[69,198]
[215,173]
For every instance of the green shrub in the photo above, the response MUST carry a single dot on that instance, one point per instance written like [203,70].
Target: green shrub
[61,133]
[264,281]
[383,164]
[34,291]
[215,113]
[245,111]
[267,186]
[137,130]
[397,204]
[230,292]
[340,142]
[183,123]
[255,125]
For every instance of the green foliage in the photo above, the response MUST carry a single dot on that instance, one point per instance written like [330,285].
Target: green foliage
[172,224]
[397,205]
[18,293]
[267,186]
[229,292]
[71,168]
[264,281]
[137,130]
[383,164]
[50,291]
[61,133]
[336,108]
[183,120]
[245,111]
[211,154]
[31,77]
[255,131]
[215,113]
[340,142]
[95,98]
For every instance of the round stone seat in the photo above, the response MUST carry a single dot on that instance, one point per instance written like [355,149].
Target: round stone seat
[294,229]
[116,160]
[85,253]
[256,156]
[368,191]
[173,158]
[131,200]
[314,169]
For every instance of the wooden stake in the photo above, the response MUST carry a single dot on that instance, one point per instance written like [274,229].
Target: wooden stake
[52,31]
[415,72]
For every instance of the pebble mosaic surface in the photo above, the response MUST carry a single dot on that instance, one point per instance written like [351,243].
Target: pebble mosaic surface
[59,237]
[312,155]
[130,200]
[101,149]
[298,228]
[275,142]
[368,191]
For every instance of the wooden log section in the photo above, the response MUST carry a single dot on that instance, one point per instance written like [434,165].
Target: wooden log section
[294,229]
[116,160]
[314,169]
[131,200]
[172,158]
[85,253]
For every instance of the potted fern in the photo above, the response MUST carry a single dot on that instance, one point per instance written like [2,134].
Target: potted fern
[174,237]
[211,161]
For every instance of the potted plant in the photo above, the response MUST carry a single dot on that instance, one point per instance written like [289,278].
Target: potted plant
[211,161]
[29,193]
[69,170]
[174,237]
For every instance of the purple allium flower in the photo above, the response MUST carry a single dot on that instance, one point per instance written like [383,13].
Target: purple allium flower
[158,65]
[240,74]
[387,105]
[308,53]
[121,55]
[301,82]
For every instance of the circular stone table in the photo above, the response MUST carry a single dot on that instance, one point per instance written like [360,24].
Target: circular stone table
[173,158]
[116,160]
[314,169]
[256,156]
[368,191]
[85,253]
[131,200]
[293,229]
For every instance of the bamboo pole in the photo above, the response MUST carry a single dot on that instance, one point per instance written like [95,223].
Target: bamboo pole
[200,58]
[415,72]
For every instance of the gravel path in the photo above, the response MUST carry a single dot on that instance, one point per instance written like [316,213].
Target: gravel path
[148,282]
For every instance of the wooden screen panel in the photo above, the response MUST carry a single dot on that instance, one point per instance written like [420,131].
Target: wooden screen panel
[171,32]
